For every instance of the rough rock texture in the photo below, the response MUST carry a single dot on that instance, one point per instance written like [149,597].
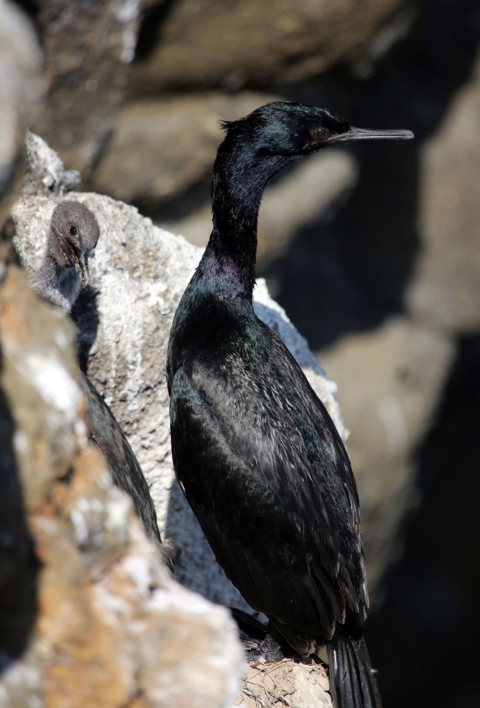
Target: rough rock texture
[139,274]
[200,43]
[87,48]
[46,175]
[21,86]
[284,683]
[118,619]
[88,614]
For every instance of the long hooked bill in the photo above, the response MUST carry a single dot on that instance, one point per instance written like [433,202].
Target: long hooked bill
[365,134]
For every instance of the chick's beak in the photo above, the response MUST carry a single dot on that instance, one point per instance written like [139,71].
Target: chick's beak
[366,134]
[81,266]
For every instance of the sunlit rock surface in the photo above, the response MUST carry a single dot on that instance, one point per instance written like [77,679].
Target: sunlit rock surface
[89,616]
[139,273]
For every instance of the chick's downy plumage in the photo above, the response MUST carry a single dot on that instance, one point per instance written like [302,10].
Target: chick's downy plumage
[73,235]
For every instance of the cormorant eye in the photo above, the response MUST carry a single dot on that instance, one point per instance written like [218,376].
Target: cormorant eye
[73,230]
[321,133]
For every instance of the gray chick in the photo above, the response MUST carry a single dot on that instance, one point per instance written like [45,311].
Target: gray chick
[74,233]
[64,271]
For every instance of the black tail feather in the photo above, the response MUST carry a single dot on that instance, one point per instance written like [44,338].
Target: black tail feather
[353,683]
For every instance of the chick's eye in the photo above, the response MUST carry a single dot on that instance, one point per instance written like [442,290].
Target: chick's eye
[73,230]
[321,133]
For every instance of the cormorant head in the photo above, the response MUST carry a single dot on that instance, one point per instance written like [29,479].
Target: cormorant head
[73,235]
[292,130]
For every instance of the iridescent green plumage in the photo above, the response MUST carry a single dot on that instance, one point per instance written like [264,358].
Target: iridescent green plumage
[257,454]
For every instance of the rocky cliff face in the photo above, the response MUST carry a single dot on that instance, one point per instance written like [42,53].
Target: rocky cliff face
[88,613]
[98,621]
[203,44]
[21,86]
[139,273]
[87,49]
[373,252]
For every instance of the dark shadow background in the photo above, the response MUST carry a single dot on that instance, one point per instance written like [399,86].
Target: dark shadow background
[350,274]
[423,636]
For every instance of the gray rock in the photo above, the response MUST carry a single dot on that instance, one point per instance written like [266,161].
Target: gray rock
[96,620]
[87,49]
[141,272]
[301,684]
[21,88]
[203,44]
[46,174]
[21,83]
[445,288]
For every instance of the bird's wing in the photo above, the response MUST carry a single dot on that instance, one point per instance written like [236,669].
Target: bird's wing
[124,467]
[268,477]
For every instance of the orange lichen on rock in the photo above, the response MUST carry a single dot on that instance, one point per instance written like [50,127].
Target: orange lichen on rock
[89,616]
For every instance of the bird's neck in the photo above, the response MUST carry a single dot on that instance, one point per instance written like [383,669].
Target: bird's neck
[49,272]
[57,286]
[239,179]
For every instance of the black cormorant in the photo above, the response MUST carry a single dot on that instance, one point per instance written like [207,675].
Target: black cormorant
[256,453]
[74,233]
